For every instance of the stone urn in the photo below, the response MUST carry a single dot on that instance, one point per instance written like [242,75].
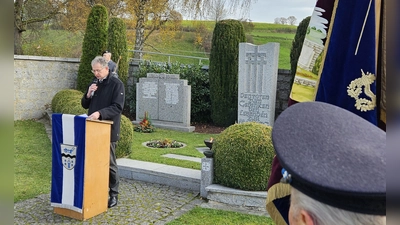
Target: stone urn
[209,143]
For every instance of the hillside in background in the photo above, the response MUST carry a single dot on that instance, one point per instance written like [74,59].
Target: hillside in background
[193,39]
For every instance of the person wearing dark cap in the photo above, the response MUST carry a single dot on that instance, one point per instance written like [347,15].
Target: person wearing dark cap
[111,64]
[335,163]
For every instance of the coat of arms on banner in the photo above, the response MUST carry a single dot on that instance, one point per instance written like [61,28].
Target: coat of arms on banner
[68,156]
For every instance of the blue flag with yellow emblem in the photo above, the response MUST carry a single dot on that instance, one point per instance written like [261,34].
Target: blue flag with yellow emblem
[348,76]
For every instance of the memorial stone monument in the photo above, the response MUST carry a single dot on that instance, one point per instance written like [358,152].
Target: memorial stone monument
[166,99]
[258,74]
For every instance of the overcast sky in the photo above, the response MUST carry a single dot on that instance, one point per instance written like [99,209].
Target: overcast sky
[267,10]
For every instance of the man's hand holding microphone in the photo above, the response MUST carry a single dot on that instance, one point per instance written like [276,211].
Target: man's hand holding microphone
[92,89]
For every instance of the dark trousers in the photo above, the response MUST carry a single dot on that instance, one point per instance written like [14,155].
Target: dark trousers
[113,183]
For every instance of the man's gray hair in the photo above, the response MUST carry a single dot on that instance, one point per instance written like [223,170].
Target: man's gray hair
[323,214]
[99,60]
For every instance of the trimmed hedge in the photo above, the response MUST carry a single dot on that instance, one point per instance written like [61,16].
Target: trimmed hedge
[124,146]
[68,101]
[243,155]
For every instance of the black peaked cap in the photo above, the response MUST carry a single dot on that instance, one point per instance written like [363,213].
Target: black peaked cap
[333,156]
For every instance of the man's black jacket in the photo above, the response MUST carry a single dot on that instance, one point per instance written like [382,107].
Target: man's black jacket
[108,100]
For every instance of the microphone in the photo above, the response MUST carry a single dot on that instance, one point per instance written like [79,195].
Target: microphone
[94,82]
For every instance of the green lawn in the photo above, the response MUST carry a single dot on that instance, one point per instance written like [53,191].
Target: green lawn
[57,43]
[191,23]
[281,36]
[32,160]
[191,139]
[277,28]
[285,44]
[203,216]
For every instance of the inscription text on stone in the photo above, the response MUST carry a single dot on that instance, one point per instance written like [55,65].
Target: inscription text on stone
[253,107]
[149,90]
[171,93]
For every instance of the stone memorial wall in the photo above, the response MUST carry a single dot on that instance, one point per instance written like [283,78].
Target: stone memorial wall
[166,99]
[257,82]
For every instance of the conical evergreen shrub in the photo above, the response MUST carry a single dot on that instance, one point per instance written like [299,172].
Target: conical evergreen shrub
[223,71]
[117,45]
[94,43]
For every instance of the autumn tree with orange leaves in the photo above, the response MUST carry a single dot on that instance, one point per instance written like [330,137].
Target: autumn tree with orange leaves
[77,12]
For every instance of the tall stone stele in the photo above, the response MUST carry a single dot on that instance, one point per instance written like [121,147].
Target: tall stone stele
[258,74]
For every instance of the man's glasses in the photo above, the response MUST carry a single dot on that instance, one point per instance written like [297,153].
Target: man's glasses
[97,71]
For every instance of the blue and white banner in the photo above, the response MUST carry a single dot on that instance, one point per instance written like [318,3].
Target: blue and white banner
[68,157]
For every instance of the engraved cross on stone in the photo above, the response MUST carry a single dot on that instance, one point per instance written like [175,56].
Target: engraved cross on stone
[256,57]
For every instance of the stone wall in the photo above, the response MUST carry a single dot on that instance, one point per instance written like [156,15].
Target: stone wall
[282,91]
[37,79]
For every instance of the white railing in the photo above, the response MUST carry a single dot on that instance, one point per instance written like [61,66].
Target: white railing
[168,55]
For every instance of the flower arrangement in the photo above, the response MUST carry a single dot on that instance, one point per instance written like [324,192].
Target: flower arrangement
[166,143]
[145,126]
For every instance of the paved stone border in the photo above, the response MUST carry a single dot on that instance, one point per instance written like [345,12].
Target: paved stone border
[139,203]
[182,157]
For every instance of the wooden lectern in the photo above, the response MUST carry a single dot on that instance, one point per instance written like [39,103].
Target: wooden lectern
[80,166]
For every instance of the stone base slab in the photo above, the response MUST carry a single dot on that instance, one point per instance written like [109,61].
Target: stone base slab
[231,196]
[174,176]
[169,125]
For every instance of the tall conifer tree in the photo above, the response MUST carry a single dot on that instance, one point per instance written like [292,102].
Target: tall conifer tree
[94,43]
[117,44]
[223,71]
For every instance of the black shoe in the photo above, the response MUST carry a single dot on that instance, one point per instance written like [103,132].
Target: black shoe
[113,201]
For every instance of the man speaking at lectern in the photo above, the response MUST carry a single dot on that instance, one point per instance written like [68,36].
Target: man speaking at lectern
[105,99]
